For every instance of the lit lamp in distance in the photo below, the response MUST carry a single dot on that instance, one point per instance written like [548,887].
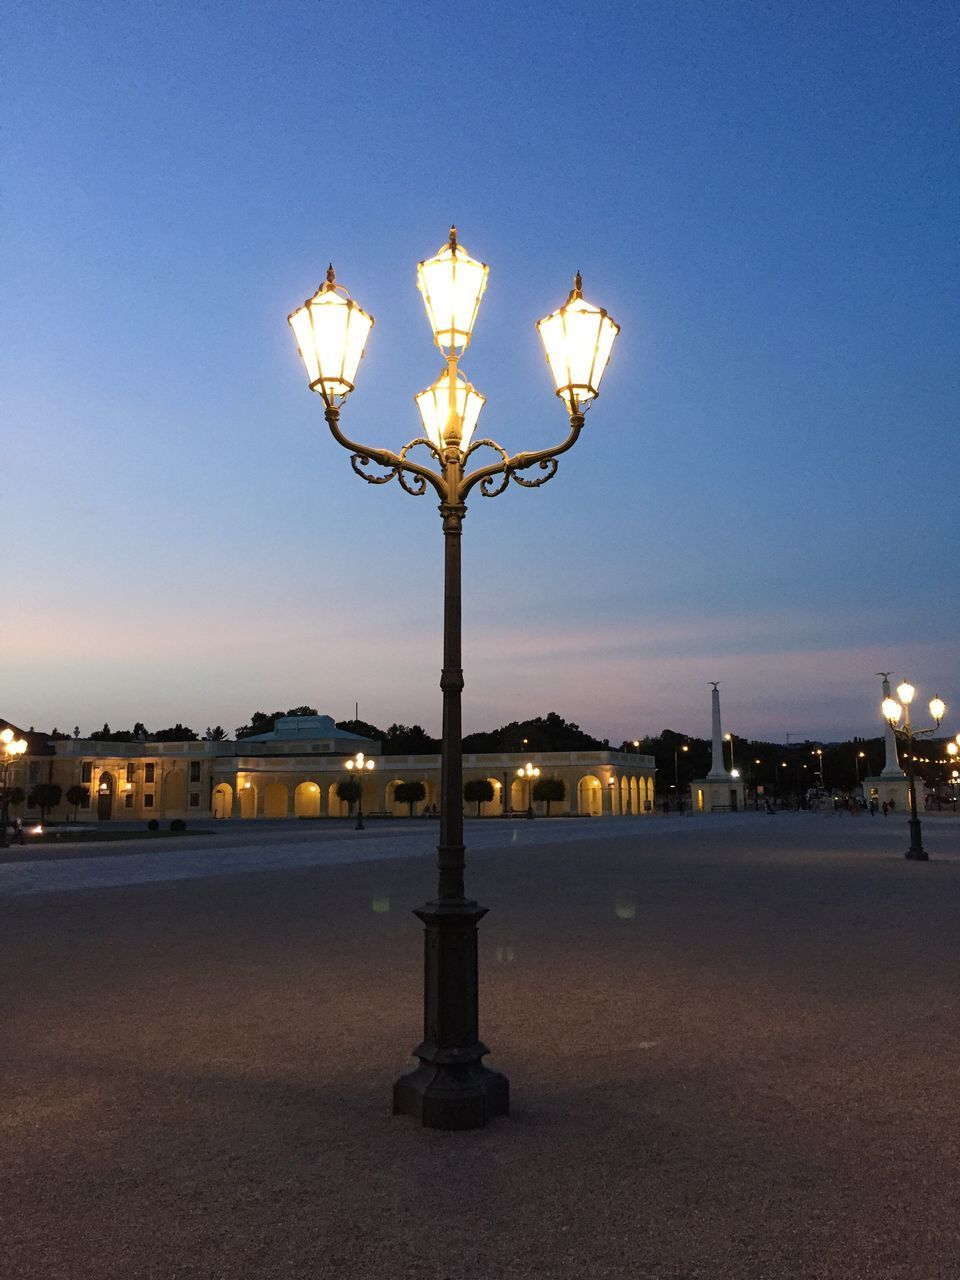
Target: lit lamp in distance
[11,749]
[892,713]
[361,764]
[531,773]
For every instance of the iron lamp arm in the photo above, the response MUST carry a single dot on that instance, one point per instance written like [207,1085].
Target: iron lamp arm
[508,467]
[396,464]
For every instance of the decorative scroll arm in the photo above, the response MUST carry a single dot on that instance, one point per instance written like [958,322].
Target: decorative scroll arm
[508,467]
[396,464]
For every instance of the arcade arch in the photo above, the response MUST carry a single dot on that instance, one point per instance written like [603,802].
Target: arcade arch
[589,796]
[306,800]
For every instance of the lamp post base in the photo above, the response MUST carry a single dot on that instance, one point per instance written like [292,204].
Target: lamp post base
[448,1097]
[451,1088]
[916,852]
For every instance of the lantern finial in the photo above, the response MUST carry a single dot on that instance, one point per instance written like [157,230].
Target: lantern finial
[331,276]
[577,286]
[453,238]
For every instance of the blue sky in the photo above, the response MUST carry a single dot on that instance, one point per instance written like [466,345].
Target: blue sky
[764,196]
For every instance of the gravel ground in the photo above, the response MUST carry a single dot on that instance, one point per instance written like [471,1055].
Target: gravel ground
[733,1050]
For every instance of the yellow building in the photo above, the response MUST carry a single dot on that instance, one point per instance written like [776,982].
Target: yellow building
[293,771]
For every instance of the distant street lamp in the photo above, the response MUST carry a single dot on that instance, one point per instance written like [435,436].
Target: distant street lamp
[451,1089]
[362,764]
[729,738]
[857,757]
[819,754]
[530,773]
[11,749]
[676,766]
[892,711]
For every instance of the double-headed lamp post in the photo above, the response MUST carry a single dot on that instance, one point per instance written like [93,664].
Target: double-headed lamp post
[892,711]
[363,764]
[451,1088]
[11,749]
[531,773]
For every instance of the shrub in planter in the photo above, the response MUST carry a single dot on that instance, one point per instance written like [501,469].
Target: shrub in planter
[153,825]
[178,824]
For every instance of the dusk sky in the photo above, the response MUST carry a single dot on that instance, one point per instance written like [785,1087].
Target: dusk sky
[763,195]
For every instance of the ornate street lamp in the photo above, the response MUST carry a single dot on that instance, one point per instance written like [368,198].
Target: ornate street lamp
[892,711]
[451,1089]
[819,754]
[362,764]
[11,749]
[531,773]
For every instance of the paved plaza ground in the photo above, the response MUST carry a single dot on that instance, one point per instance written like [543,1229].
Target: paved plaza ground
[733,1046]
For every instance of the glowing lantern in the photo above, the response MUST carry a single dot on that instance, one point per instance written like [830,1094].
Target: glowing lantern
[449,420]
[578,340]
[331,332]
[892,710]
[452,284]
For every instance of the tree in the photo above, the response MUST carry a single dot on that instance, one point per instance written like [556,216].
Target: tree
[46,795]
[544,733]
[215,735]
[409,793]
[364,729]
[13,796]
[549,789]
[348,789]
[409,740]
[77,796]
[178,733]
[479,789]
[56,735]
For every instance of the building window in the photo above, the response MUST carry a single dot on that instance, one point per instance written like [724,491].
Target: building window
[194,770]
[86,771]
[148,802]
[149,772]
[131,772]
[35,772]
[194,799]
[128,801]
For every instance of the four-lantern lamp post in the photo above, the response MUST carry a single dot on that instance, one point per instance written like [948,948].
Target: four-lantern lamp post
[451,1088]
[892,711]
[530,772]
[363,764]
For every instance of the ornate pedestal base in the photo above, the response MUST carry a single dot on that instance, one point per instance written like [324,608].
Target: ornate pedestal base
[451,1089]
[452,1097]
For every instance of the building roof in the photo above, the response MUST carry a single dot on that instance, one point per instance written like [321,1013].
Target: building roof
[301,728]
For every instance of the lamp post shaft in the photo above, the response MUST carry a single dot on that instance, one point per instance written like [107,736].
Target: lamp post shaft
[450,860]
[916,852]
[451,1088]
[4,805]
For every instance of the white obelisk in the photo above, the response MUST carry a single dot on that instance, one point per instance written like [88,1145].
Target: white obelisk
[717,768]
[891,768]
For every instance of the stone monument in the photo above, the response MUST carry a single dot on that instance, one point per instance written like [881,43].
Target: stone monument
[891,786]
[720,791]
